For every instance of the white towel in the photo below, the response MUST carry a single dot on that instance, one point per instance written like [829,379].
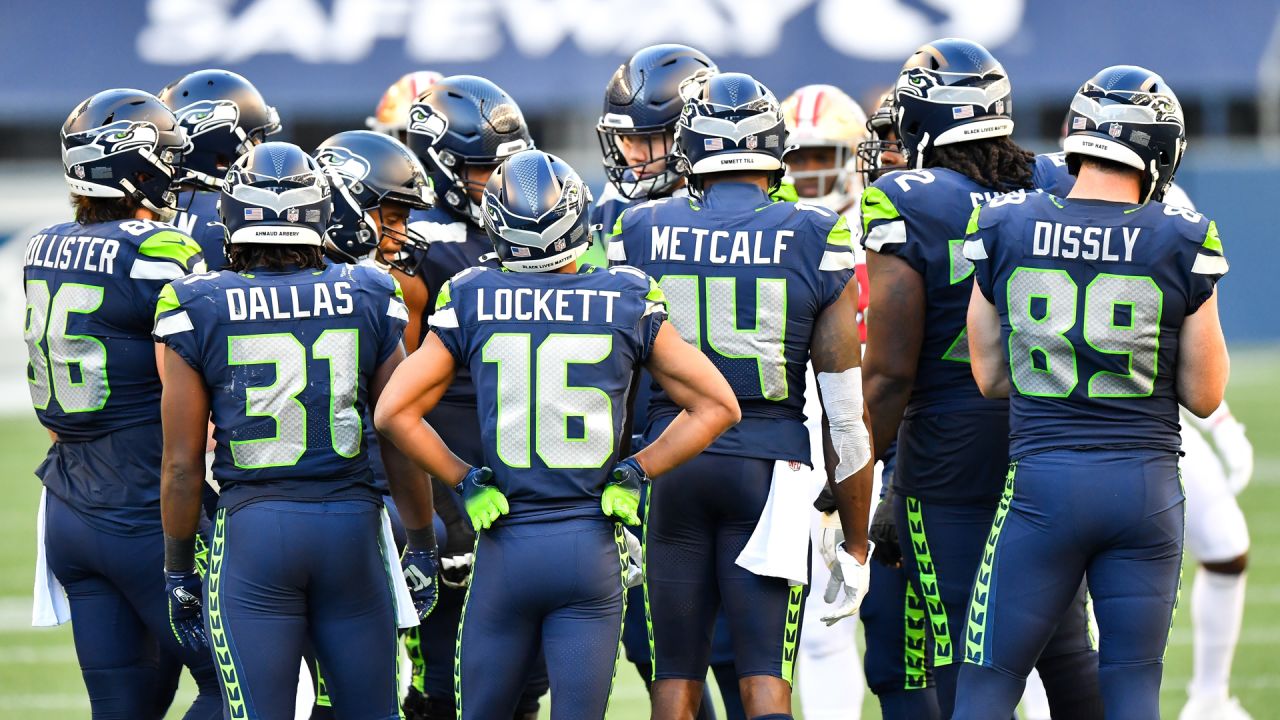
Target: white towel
[49,607]
[406,615]
[779,546]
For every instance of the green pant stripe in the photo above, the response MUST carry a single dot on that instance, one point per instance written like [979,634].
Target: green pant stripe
[322,689]
[913,654]
[977,639]
[623,556]
[462,618]
[928,580]
[232,694]
[791,633]
[644,567]
[417,663]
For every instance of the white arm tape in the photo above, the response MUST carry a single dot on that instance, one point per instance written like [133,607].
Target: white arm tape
[842,402]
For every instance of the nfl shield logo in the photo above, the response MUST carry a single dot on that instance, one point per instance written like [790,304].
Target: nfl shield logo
[751,142]
[291,215]
[1115,130]
[80,171]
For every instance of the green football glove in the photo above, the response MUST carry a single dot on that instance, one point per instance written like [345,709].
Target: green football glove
[621,496]
[485,502]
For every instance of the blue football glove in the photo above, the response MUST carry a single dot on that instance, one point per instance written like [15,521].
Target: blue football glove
[621,496]
[186,616]
[485,502]
[420,567]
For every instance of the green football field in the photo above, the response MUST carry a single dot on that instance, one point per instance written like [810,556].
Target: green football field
[39,677]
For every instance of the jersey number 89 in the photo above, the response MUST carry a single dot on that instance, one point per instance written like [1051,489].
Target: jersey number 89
[1121,317]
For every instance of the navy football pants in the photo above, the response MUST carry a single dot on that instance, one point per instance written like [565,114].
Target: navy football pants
[943,547]
[1113,517]
[553,586]
[285,572]
[700,517]
[120,619]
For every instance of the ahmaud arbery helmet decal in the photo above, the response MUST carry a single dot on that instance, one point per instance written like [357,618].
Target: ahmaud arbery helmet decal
[1128,115]
[366,169]
[124,143]
[275,194]
[950,91]
[536,212]
[224,116]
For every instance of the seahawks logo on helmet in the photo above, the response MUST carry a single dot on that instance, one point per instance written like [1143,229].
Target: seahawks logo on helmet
[205,115]
[424,120]
[118,137]
[342,161]
[918,82]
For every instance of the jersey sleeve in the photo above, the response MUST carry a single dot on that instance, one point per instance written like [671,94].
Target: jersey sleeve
[444,323]
[651,318]
[835,270]
[391,313]
[884,230]
[976,241]
[616,249]
[174,328]
[1207,268]
[163,257]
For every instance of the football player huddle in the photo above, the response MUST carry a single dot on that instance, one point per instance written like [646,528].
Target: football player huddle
[418,393]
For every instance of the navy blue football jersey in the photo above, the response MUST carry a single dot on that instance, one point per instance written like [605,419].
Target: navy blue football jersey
[746,277]
[199,219]
[453,245]
[289,356]
[552,356]
[91,294]
[1091,296]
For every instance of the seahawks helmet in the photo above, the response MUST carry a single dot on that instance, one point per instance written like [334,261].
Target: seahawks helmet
[950,91]
[124,143]
[871,151]
[642,100]
[464,121]
[730,122]
[536,212]
[366,169]
[275,194]
[1128,115]
[224,115]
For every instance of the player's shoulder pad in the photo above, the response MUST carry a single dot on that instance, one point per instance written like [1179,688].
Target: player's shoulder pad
[164,251]
[1202,233]
[444,296]
[640,282]
[176,298]
[438,226]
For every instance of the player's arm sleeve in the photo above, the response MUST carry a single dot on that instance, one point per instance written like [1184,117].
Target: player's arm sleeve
[445,323]
[884,230]
[392,315]
[654,314]
[835,270]
[163,257]
[1207,268]
[976,242]
[174,328]
[615,248]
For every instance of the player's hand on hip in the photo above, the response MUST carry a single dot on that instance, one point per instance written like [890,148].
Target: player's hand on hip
[884,531]
[485,502]
[186,611]
[848,585]
[621,496]
[420,568]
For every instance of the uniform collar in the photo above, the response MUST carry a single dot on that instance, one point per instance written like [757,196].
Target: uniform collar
[734,195]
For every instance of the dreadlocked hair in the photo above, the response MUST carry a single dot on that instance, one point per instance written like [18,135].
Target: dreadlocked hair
[255,256]
[998,163]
